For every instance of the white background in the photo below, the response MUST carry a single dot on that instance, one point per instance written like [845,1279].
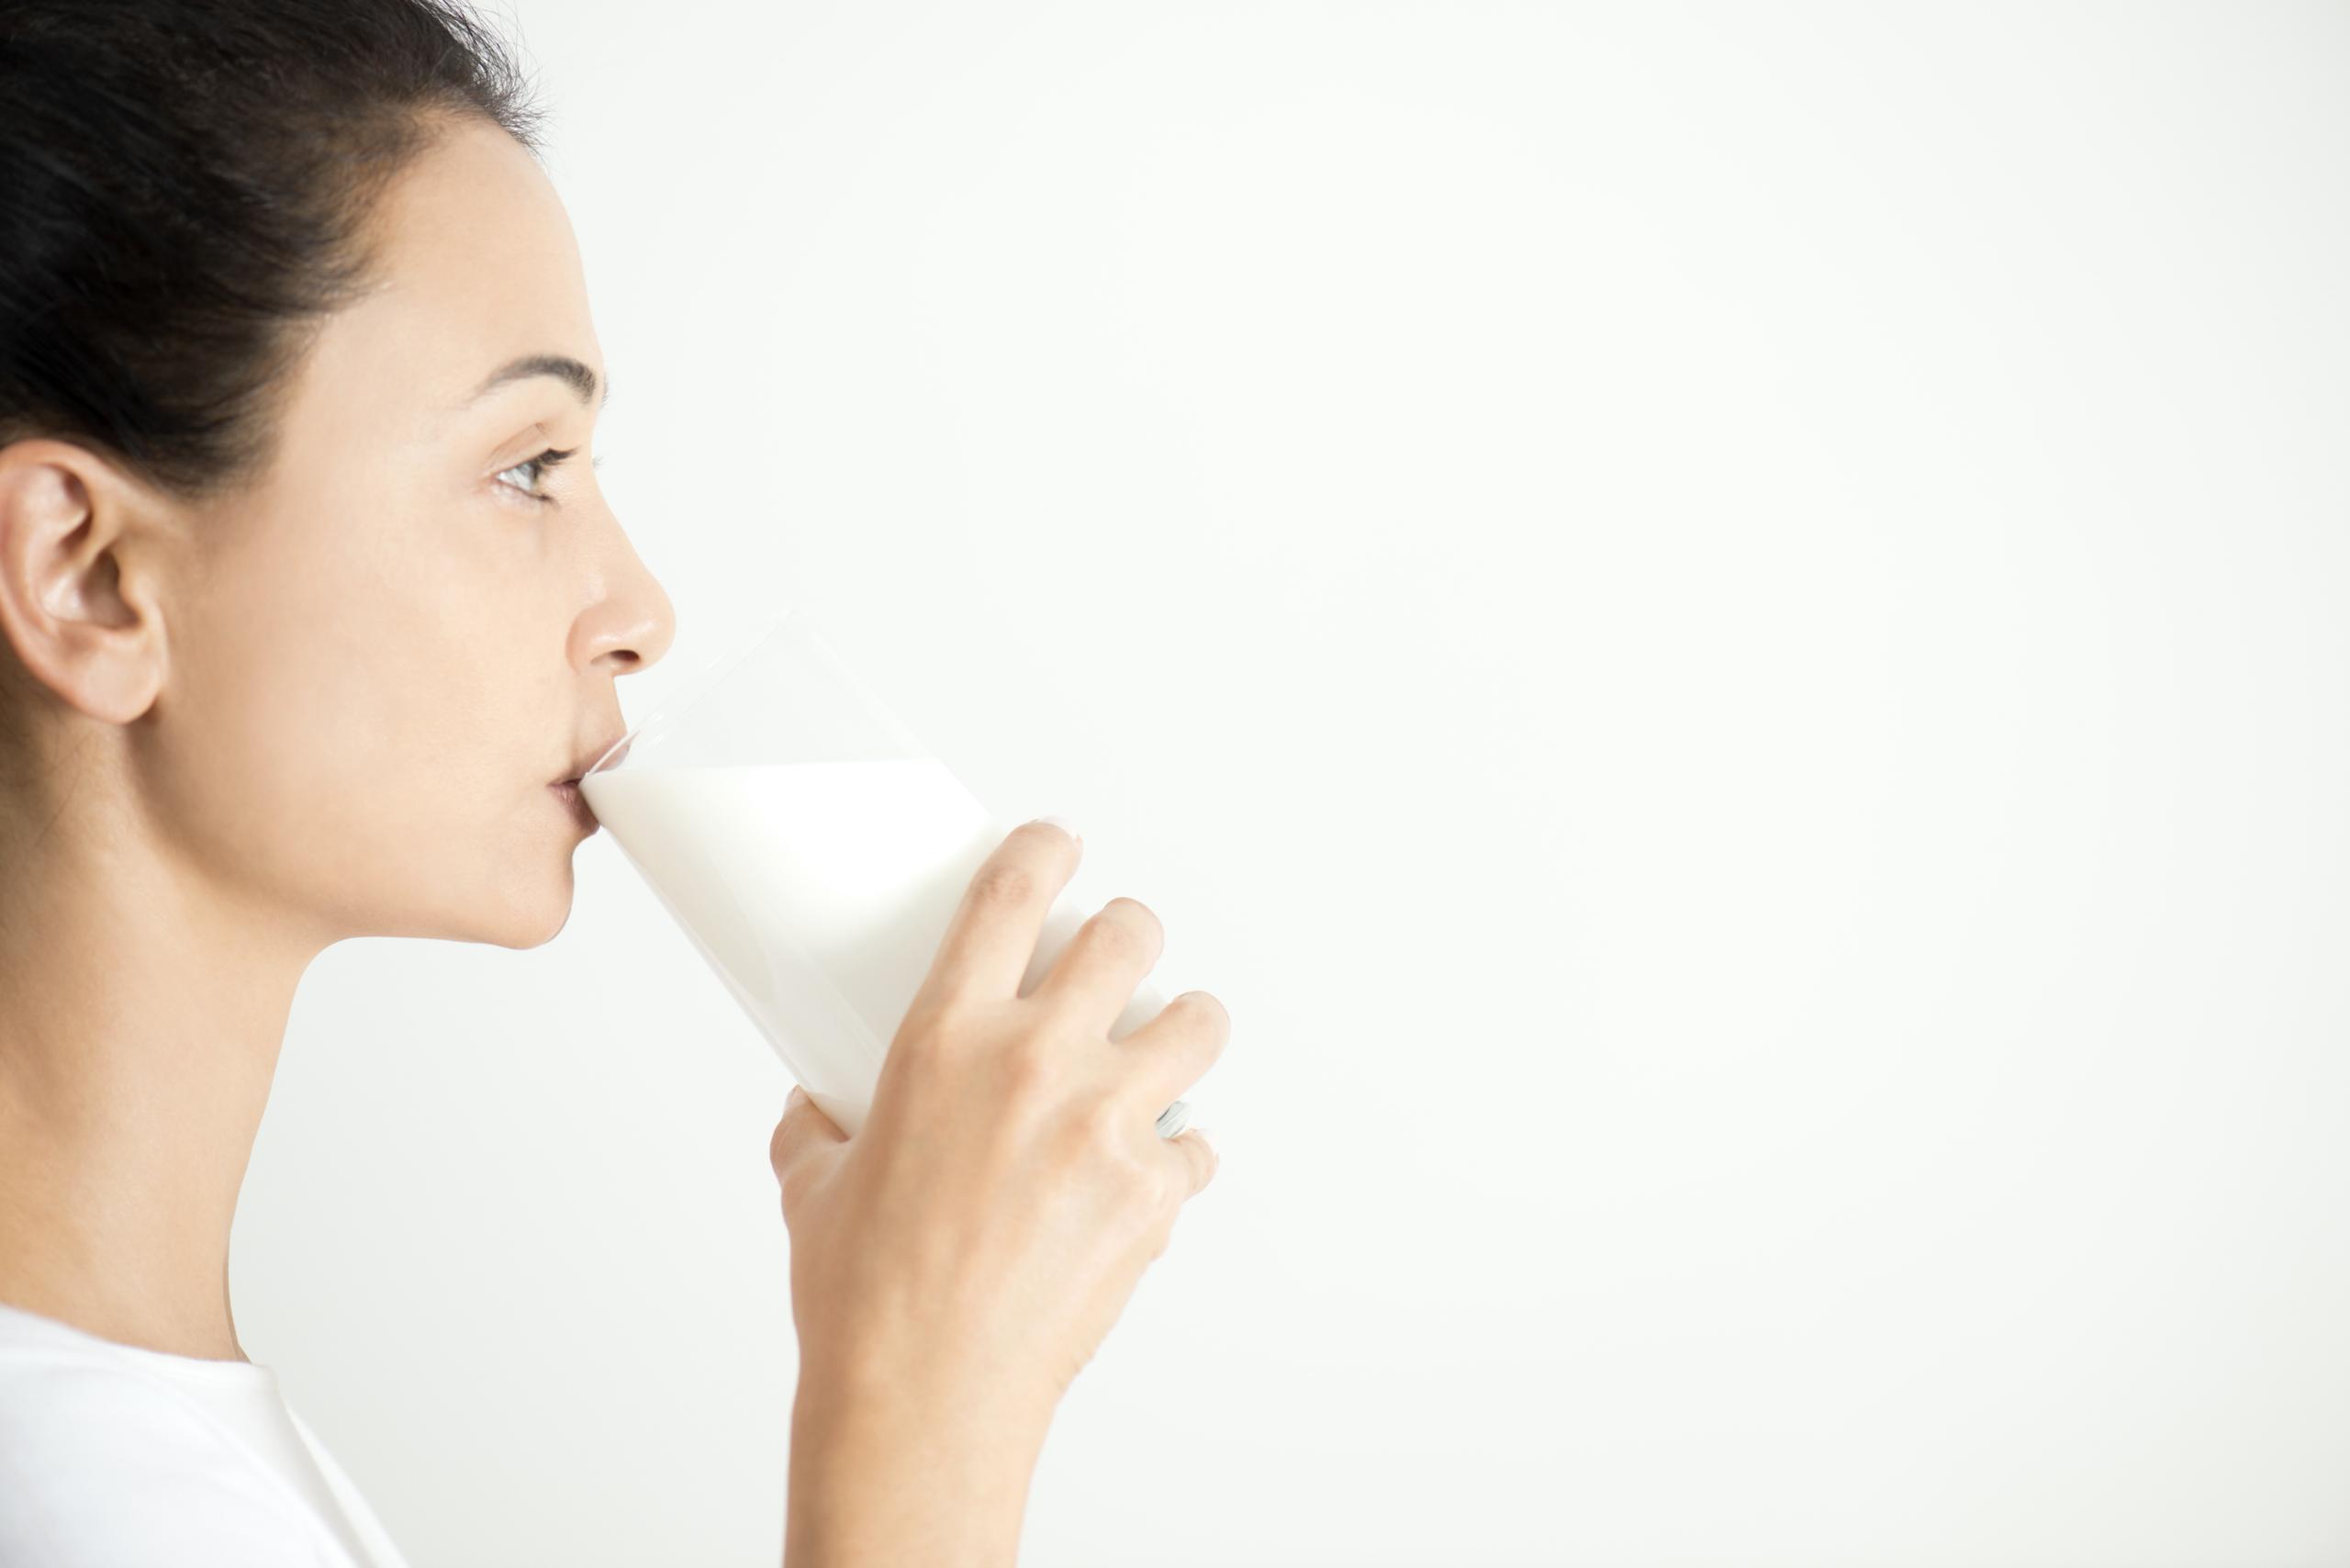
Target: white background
[1720,629]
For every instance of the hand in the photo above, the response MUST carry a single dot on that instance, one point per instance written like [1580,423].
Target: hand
[970,1249]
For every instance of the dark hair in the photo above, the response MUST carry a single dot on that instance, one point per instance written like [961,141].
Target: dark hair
[186,190]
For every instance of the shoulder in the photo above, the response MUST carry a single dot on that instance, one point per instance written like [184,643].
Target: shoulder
[103,1468]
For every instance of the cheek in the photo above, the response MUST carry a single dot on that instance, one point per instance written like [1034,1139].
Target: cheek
[307,749]
[309,777]
[359,711]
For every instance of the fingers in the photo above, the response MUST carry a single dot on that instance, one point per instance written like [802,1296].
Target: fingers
[1094,977]
[1174,1050]
[1195,1157]
[993,933]
[801,1141]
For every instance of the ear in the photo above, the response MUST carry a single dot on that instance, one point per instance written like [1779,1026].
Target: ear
[76,593]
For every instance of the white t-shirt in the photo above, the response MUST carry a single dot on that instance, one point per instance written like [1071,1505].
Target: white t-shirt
[116,1456]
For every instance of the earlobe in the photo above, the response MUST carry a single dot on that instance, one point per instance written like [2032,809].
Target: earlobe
[79,626]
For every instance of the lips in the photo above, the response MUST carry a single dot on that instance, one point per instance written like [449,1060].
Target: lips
[574,801]
[589,759]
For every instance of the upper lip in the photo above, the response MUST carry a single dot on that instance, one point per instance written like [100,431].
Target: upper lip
[588,760]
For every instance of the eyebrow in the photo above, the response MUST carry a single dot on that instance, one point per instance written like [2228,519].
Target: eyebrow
[563,367]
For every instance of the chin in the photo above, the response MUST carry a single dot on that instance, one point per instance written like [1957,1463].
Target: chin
[520,915]
[547,923]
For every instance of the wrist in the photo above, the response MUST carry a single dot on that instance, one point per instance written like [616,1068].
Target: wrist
[899,1469]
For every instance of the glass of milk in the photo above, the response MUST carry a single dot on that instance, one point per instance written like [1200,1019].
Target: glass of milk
[814,851]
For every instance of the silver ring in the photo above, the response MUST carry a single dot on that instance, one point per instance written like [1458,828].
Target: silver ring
[1175,1118]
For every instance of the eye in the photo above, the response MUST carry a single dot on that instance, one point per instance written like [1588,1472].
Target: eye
[538,466]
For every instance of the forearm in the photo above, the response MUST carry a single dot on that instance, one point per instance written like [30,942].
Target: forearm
[879,1480]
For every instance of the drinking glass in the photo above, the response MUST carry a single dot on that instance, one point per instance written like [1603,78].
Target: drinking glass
[815,851]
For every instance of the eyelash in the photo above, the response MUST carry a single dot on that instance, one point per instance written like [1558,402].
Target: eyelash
[543,461]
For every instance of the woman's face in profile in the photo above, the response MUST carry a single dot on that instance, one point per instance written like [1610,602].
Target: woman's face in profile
[383,654]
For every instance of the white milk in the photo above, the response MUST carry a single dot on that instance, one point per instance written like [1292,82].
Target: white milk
[819,891]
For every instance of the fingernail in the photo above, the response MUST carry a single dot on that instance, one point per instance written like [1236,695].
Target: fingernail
[798,1096]
[1065,825]
[1207,1136]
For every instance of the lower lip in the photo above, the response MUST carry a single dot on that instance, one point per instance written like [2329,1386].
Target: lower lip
[576,804]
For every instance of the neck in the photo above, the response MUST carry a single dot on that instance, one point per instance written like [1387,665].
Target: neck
[142,1013]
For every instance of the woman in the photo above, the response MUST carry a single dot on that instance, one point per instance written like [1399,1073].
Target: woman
[309,604]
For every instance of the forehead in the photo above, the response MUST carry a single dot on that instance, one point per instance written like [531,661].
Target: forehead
[474,264]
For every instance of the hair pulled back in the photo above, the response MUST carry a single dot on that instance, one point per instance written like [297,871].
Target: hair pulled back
[186,190]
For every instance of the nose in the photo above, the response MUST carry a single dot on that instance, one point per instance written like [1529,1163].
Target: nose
[633,625]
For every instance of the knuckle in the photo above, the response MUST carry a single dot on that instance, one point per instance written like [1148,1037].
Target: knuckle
[1108,1122]
[1031,1063]
[1111,937]
[1100,1135]
[933,1019]
[1001,883]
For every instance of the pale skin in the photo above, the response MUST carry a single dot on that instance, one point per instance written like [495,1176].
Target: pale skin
[955,1264]
[332,704]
